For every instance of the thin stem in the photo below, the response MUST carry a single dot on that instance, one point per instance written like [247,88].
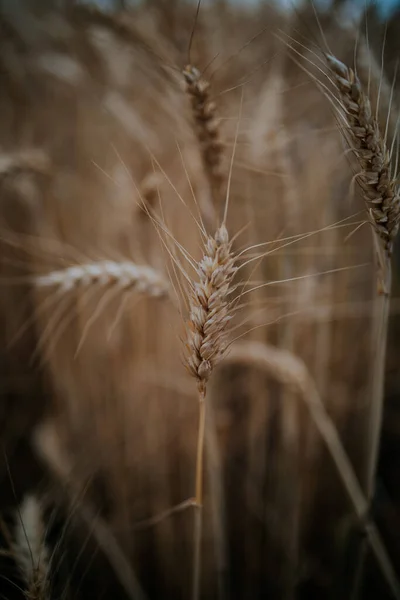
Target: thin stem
[198,516]
[217,500]
[198,526]
[200,449]
[375,413]
[382,307]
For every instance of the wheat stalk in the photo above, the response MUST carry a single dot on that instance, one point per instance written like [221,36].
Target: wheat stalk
[207,128]
[30,549]
[205,345]
[382,197]
[290,370]
[127,275]
[381,192]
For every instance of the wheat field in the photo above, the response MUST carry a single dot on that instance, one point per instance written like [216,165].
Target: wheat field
[199,303]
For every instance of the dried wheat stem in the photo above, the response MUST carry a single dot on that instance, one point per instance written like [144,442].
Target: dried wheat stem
[198,528]
[217,499]
[207,129]
[379,185]
[381,320]
[290,370]
[375,414]
[126,275]
[200,450]
[205,345]
[30,549]
[198,515]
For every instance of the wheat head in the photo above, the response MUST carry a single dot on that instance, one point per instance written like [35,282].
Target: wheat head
[209,309]
[380,189]
[207,127]
[126,275]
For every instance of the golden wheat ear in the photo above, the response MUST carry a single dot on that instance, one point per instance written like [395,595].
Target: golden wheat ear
[377,180]
[126,275]
[209,310]
[360,128]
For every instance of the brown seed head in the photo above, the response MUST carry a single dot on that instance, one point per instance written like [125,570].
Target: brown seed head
[381,192]
[209,310]
[207,127]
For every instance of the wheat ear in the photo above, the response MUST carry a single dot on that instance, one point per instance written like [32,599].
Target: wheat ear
[378,182]
[209,311]
[290,370]
[127,275]
[30,549]
[205,345]
[207,129]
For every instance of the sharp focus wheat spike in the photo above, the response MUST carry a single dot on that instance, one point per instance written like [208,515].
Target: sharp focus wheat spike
[31,553]
[209,313]
[126,275]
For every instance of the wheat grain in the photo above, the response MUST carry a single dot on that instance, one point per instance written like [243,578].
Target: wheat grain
[126,275]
